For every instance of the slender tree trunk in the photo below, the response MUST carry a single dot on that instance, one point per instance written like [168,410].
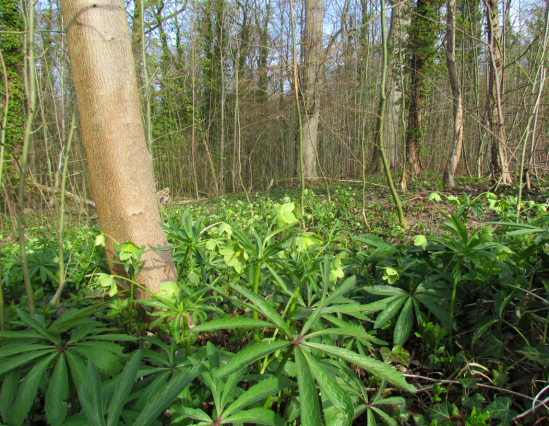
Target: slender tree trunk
[499,164]
[376,156]
[311,84]
[453,161]
[120,165]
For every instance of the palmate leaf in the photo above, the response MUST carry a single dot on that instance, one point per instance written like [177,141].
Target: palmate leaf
[373,366]
[10,350]
[77,368]
[58,391]
[501,409]
[27,391]
[308,395]
[102,358]
[257,392]
[356,331]
[390,311]
[159,401]
[194,413]
[258,416]
[249,355]
[230,385]
[536,353]
[71,317]
[36,326]
[91,398]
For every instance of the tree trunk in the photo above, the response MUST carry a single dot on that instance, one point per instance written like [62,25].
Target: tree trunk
[120,165]
[376,156]
[422,38]
[453,161]
[311,85]
[499,164]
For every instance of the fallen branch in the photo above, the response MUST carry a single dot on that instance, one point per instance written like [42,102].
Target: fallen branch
[68,194]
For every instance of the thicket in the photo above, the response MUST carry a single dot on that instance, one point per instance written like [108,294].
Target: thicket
[279,318]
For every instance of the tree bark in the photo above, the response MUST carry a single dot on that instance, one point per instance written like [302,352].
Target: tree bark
[421,43]
[119,163]
[453,161]
[496,121]
[311,85]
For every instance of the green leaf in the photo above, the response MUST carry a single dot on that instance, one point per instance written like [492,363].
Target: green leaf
[390,275]
[257,392]
[539,354]
[351,331]
[442,412]
[375,367]
[473,401]
[341,290]
[103,359]
[123,388]
[91,398]
[58,391]
[194,413]
[230,323]
[36,326]
[264,307]
[404,323]
[27,391]
[230,385]
[501,409]
[159,401]
[397,354]
[390,311]
[341,402]
[385,290]
[169,290]
[494,345]
[78,369]
[468,382]
[10,335]
[18,361]
[10,350]
[258,416]
[308,394]
[388,419]
[247,356]
[8,392]
[420,241]
[483,325]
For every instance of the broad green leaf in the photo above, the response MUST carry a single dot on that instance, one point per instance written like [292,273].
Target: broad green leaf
[397,354]
[331,390]
[158,403]
[27,391]
[355,307]
[442,412]
[388,419]
[473,401]
[103,359]
[8,392]
[438,311]
[58,391]
[420,241]
[77,367]
[257,392]
[10,350]
[390,311]
[351,331]
[501,409]
[123,388]
[258,416]
[90,397]
[10,335]
[249,355]
[169,290]
[342,289]
[114,338]
[194,413]
[385,290]
[373,366]
[19,361]
[230,323]
[494,344]
[308,394]
[468,382]
[264,307]
[391,400]
[36,326]
[404,323]
[539,354]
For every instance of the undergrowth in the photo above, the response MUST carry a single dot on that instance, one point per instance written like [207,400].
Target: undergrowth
[279,318]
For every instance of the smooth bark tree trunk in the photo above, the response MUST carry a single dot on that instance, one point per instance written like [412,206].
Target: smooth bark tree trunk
[310,89]
[119,163]
[496,121]
[376,155]
[455,155]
